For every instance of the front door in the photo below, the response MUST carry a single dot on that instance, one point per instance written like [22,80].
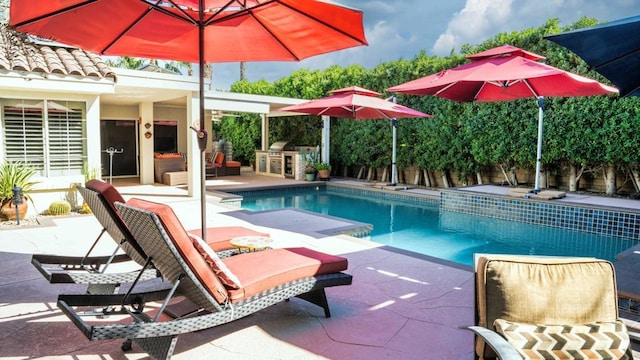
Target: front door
[118,146]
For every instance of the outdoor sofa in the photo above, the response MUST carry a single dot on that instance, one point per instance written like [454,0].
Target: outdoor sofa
[218,165]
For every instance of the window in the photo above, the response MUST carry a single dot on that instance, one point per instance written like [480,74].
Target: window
[50,135]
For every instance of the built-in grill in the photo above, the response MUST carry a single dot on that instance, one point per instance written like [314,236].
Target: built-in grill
[278,147]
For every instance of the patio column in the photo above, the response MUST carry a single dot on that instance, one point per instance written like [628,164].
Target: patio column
[193,151]
[145,112]
[93,133]
[265,132]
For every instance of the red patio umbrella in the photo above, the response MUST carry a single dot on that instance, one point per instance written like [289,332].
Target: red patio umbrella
[202,31]
[358,103]
[505,73]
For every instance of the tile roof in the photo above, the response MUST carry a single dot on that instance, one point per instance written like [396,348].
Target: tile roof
[49,58]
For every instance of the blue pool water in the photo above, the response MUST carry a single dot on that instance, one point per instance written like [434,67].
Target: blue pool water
[425,229]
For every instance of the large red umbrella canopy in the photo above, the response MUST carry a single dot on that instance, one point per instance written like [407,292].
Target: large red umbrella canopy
[233,30]
[505,73]
[203,31]
[358,103]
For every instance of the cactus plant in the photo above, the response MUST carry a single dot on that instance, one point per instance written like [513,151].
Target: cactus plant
[85,209]
[61,207]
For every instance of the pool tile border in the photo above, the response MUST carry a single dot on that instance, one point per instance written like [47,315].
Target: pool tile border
[609,222]
[385,194]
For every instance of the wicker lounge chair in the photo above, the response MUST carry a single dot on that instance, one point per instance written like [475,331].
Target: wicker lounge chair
[100,197]
[282,274]
[548,308]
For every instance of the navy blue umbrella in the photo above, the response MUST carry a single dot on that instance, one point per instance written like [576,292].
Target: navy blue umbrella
[612,49]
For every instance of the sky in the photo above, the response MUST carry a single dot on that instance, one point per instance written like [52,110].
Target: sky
[402,28]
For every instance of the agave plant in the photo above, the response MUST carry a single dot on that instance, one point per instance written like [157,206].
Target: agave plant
[15,173]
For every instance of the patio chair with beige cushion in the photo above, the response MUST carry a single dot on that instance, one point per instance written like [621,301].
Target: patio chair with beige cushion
[224,289]
[92,270]
[531,307]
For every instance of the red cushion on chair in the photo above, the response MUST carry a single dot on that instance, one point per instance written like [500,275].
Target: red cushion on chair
[106,190]
[232,163]
[111,195]
[262,270]
[183,243]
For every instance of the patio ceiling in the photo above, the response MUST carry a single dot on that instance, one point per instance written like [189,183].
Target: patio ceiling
[135,86]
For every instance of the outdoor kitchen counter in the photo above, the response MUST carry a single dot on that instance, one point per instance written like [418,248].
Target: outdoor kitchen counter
[283,164]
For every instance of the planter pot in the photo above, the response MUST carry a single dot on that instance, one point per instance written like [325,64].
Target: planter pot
[324,174]
[310,177]
[8,211]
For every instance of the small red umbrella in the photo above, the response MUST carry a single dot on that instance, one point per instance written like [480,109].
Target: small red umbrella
[505,73]
[358,103]
[202,31]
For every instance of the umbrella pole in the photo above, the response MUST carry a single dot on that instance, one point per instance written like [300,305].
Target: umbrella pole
[202,133]
[394,124]
[394,175]
[539,151]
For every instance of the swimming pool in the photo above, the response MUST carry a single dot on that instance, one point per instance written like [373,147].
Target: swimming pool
[424,228]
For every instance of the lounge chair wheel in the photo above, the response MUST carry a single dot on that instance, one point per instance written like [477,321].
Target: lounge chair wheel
[126,346]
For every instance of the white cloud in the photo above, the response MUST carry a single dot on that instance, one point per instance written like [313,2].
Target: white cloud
[480,20]
[477,20]
[402,28]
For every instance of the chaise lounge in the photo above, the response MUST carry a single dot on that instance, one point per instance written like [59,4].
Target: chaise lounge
[92,270]
[225,289]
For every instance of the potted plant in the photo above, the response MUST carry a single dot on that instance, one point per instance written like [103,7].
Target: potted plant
[310,159]
[324,170]
[310,172]
[12,174]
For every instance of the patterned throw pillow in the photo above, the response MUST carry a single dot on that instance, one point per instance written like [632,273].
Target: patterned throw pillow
[227,278]
[601,340]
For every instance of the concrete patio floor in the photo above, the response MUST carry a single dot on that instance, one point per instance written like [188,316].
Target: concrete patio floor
[400,306]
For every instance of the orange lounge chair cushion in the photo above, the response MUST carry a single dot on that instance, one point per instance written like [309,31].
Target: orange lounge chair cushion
[184,245]
[219,238]
[107,191]
[111,195]
[256,271]
[262,270]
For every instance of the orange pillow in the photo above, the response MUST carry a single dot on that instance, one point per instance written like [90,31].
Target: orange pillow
[227,278]
[218,158]
[184,245]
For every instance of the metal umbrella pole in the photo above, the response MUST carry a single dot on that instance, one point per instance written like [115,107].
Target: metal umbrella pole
[394,171]
[539,150]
